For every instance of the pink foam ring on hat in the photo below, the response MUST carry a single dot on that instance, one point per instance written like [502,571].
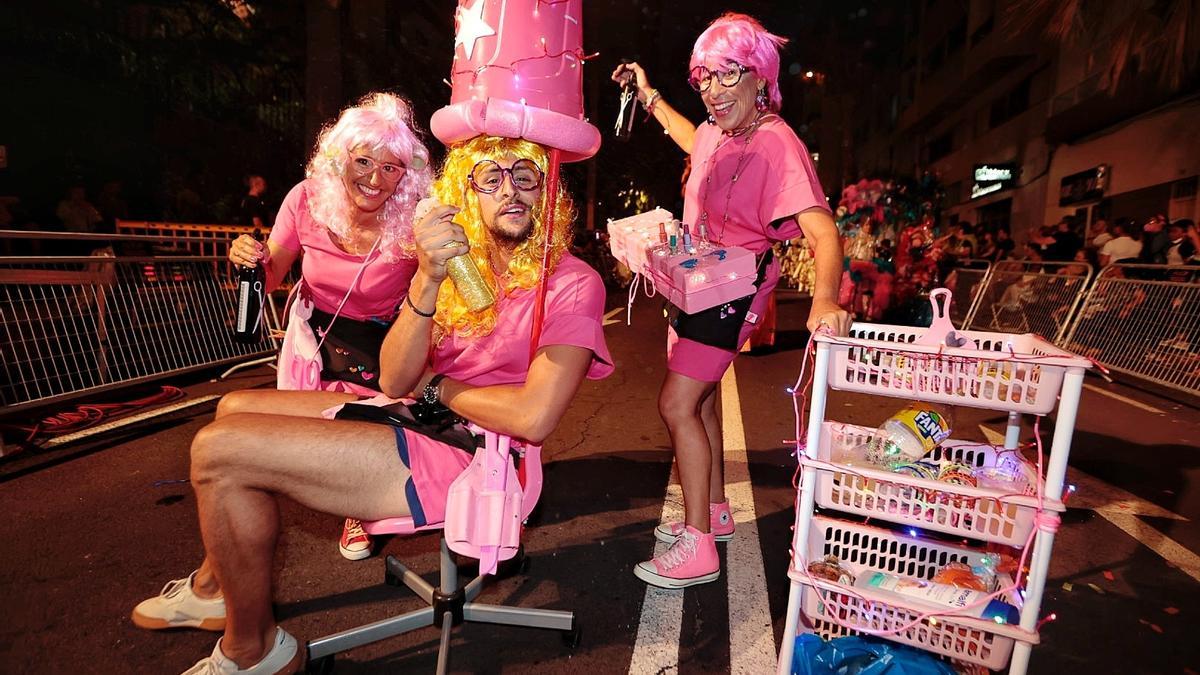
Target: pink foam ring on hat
[518,73]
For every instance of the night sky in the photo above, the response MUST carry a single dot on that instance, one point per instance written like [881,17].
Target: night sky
[175,95]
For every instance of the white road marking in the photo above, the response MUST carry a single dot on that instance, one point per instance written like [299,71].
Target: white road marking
[1170,550]
[1095,494]
[125,421]
[608,316]
[751,640]
[1123,509]
[1124,399]
[657,646]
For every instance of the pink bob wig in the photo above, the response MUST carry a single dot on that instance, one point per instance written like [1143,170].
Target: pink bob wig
[379,121]
[741,39]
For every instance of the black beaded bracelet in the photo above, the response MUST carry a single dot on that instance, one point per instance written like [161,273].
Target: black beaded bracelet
[427,315]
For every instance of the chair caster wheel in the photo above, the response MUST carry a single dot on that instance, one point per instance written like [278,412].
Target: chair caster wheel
[571,637]
[321,666]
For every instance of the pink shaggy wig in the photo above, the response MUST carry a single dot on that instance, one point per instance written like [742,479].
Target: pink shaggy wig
[742,39]
[379,121]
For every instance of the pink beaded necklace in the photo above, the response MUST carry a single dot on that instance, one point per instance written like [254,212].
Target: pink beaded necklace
[748,132]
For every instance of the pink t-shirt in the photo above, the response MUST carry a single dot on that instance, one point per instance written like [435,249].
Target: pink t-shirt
[328,270]
[574,316]
[777,179]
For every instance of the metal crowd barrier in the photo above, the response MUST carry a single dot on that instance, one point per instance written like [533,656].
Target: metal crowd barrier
[1030,297]
[966,283]
[83,324]
[195,238]
[1143,320]
[201,239]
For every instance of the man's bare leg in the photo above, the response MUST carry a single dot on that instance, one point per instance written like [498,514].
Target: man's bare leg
[241,462]
[271,402]
[275,402]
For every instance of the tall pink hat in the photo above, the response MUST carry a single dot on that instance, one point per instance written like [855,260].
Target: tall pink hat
[518,73]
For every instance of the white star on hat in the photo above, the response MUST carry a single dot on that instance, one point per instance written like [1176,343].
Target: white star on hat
[471,27]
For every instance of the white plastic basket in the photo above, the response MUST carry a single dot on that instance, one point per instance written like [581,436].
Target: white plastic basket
[861,548]
[1016,373]
[1001,515]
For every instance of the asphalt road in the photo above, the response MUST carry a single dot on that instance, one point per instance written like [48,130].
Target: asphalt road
[92,527]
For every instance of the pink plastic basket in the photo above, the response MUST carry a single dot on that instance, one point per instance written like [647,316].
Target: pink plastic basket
[1001,371]
[861,548]
[987,513]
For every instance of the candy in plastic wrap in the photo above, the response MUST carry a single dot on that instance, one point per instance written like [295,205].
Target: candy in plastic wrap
[830,569]
[959,575]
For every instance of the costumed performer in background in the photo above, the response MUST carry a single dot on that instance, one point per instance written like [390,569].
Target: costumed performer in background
[752,183]
[351,220]
[477,364]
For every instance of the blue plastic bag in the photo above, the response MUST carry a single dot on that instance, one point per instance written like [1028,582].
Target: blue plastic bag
[852,655]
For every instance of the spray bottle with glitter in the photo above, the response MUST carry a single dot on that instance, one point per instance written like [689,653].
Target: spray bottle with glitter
[469,282]
[462,270]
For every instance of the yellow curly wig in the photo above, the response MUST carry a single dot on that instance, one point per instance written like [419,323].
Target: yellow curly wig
[524,270]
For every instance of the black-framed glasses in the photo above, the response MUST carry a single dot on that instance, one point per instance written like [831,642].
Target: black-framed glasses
[701,78]
[487,176]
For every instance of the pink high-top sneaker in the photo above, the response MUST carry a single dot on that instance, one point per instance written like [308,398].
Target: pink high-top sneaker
[720,523]
[691,559]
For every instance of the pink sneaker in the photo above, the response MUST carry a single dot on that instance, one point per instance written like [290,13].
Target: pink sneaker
[720,523]
[355,543]
[692,559]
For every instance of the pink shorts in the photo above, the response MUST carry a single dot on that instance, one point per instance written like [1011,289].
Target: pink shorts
[707,363]
[434,466]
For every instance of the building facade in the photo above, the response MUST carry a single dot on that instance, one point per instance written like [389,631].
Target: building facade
[1022,129]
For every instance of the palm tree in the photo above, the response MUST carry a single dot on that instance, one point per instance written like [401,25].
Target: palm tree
[1160,36]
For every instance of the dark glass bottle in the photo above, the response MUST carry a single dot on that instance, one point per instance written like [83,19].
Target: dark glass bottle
[251,286]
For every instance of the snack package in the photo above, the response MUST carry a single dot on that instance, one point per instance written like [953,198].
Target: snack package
[830,569]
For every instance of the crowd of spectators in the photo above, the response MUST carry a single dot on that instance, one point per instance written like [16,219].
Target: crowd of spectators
[1157,242]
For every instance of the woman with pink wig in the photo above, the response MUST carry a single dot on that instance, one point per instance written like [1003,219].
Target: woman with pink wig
[752,184]
[351,220]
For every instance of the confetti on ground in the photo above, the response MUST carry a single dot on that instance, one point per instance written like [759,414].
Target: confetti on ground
[1171,610]
[1067,586]
[1109,575]
[1096,588]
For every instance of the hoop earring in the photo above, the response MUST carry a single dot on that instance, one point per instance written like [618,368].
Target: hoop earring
[760,100]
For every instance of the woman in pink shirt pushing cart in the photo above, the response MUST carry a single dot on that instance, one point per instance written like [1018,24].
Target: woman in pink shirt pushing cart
[752,183]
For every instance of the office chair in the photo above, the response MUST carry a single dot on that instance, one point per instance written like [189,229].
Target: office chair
[485,510]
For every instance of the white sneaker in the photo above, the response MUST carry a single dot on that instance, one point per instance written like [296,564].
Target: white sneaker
[176,606]
[284,657]
[355,543]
